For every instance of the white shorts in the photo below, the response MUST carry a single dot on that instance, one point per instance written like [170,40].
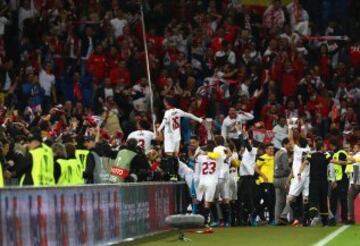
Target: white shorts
[231,189]
[170,145]
[224,189]
[206,189]
[297,187]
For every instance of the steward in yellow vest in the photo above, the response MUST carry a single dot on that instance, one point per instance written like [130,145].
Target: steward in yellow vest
[1,176]
[339,184]
[70,169]
[38,166]
[85,158]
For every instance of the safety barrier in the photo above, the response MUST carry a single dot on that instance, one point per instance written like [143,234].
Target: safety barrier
[86,215]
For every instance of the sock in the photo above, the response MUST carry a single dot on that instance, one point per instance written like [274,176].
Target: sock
[233,213]
[174,166]
[293,206]
[206,215]
[324,219]
[306,216]
[214,212]
[195,208]
[225,208]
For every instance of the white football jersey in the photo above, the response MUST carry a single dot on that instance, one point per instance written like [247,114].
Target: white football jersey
[355,173]
[223,166]
[206,169]
[171,123]
[248,162]
[228,129]
[143,137]
[298,159]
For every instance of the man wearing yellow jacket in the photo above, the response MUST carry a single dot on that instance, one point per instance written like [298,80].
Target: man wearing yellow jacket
[265,168]
[38,166]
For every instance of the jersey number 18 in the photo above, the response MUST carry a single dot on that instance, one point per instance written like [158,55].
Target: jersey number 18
[176,123]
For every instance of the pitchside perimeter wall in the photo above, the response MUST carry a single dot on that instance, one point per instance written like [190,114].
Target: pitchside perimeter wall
[86,215]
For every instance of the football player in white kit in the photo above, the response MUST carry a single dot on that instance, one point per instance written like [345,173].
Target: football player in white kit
[143,135]
[222,190]
[354,177]
[206,177]
[172,134]
[232,183]
[300,183]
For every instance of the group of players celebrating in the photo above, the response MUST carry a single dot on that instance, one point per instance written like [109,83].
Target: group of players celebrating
[234,180]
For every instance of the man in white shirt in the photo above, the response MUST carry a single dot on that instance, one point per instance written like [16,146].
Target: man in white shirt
[26,11]
[280,132]
[143,136]
[300,182]
[141,95]
[245,203]
[353,172]
[228,128]
[171,126]
[47,82]
[118,24]
[3,21]
[172,135]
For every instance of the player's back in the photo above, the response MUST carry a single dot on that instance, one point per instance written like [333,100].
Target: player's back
[143,137]
[172,118]
[208,169]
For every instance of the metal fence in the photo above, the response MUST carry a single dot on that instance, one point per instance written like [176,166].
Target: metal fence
[86,215]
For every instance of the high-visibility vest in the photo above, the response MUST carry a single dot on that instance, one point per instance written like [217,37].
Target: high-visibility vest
[42,171]
[77,175]
[81,156]
[338,168]
[49,162]
[121,166]
[1,176]
[66,171]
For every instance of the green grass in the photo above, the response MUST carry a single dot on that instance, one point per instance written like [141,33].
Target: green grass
[350,237]
[264,236]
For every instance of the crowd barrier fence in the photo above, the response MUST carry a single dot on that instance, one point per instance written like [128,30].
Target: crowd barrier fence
[86,215]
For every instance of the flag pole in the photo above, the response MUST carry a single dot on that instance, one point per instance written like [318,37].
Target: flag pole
[153,116]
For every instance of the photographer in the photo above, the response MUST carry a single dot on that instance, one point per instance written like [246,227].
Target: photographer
[131,164]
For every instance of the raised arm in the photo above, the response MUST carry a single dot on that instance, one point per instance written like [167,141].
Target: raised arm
[291,135]
[224,130]
[245,116]
[191,116]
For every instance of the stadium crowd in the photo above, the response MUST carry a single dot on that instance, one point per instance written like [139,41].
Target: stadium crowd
[273,92]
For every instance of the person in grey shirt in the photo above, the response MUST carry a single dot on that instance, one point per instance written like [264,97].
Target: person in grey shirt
[282,174]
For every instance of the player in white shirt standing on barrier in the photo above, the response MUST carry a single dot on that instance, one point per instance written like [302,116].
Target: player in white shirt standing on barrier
[172,134]
[143,136]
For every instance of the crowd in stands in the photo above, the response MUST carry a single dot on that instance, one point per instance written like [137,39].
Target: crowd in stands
[74,72]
